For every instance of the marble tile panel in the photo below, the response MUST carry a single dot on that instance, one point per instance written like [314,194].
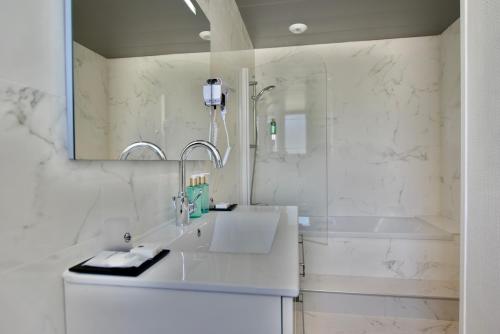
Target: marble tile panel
[392,258]
[450,122]
[381,306]
[325,323]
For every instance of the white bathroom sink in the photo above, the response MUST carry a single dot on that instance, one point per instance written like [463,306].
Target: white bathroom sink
[251,250]
[231,232]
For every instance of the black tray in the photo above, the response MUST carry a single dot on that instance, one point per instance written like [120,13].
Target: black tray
[131,272]
[229,208]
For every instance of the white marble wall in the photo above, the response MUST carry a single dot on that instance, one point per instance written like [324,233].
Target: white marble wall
[450,122]
[379,306]
[52,209]
[121,101]
[158,99]
[49,204]
[481,219]
[386,135]
[383,109]
[385,258]
[91,93]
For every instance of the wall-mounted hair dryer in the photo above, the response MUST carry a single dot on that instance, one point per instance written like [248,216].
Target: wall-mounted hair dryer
[215,94]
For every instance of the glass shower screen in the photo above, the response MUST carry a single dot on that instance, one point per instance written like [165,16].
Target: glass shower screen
[291,160]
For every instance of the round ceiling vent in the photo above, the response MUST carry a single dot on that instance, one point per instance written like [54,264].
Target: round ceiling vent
[297,28]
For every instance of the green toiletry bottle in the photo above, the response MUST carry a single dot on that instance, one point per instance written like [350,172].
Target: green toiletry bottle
[205,197]
[192,195]
[273,128]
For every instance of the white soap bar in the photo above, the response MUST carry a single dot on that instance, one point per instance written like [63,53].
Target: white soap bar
[110,259]
[147,250]
[222,205]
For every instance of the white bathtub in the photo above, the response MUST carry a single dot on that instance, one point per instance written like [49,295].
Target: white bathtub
[406,248]
[377,227]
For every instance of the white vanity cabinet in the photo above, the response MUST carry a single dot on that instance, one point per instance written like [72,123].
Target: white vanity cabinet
[102,309]
[226,273]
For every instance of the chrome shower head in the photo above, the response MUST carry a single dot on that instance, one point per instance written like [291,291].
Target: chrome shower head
[262,92]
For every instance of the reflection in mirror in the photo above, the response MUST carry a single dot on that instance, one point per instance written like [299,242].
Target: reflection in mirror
[138,72]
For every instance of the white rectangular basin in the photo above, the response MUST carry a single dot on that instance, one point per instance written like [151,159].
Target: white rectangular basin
[232,232]
[244,232]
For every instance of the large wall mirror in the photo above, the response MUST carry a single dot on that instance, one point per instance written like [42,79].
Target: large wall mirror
[137,68]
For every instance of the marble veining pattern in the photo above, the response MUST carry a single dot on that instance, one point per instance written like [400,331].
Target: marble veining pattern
[158,99]
[383,106]
[390,258]
[450,122]
[91,94]
[38,172]
[381,306]
[121,101]
[324,323]
[51,209]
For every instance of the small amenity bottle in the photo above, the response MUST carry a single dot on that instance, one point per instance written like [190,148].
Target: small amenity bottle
[192,192]
[205,203]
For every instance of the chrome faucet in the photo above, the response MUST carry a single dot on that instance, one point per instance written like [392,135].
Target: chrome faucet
[183,207]
[142,144]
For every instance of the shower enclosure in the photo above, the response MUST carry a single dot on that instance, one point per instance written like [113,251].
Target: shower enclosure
[289,145]
[364,138]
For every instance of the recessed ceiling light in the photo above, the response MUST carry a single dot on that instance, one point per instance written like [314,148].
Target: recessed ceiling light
[205,35]
[190,6]
[297,28]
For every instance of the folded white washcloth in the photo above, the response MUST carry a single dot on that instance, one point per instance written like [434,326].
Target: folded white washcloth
[223,205]
[111,259]
[147,250]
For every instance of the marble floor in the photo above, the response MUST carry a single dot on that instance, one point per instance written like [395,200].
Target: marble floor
[328,323]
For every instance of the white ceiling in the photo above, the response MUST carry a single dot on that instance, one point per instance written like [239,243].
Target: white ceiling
[333,21]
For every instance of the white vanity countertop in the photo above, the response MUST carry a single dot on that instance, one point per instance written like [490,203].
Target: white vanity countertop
[274,273]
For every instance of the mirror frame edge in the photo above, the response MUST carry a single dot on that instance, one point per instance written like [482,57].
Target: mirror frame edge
[68,46]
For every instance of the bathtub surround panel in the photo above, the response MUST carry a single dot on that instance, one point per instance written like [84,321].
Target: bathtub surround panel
[396,285]
[381,306]
[384,127]
[386,227]
[326,323]
[383,124]
[390,258]
[52,209]
[392,126]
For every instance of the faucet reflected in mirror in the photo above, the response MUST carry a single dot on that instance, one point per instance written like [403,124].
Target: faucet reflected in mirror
[140,145]
[183,207]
